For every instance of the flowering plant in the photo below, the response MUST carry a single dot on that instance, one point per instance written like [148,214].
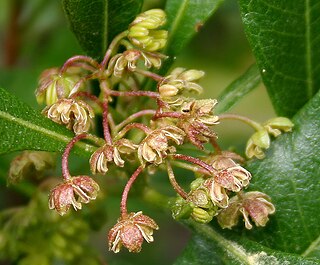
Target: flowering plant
[132,117]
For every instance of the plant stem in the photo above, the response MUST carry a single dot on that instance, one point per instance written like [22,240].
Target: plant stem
[132,117]
[89,96]
[145,73]
[195,161]
[105,111]
[124,198]
[130,126]
[193,168]
[65,164]
[215,145]
[170,114]
[255,125]
[112,46]
[174,182]
[75,59]
[149,94]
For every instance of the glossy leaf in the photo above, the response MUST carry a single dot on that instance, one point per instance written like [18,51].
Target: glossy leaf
[208,247]
[238,89]
[290,174]
[96,22]
[285,38]
[23,128]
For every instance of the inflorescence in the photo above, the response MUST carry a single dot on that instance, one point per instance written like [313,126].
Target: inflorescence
[132,58]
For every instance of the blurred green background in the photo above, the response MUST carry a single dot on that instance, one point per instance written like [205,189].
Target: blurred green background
[34,35]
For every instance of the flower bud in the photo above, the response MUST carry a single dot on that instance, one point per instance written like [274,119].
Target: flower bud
[276,125]
[181,209]
[203,216]
[258,141]
[144,33]
[53,86]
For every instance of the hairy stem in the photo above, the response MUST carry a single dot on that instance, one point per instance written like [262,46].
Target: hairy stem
[130,126]
[145,73]
[195,169]
[65,164]
[174,182]
[76,59]
[134,116]
[111,48]
[149,94]
[124,197]
[195,161]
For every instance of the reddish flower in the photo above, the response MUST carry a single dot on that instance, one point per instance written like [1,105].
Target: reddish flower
[130,232]
[254,204]
[76,190]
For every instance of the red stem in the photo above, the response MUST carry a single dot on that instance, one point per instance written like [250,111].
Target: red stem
[89,96]
[136,115]
[105,122]
[174,182]
[172,114]
[195,161]
[65,164]
[124,198]
[150,94]
[154,76]
[215,145]
[76,59]
[130,126]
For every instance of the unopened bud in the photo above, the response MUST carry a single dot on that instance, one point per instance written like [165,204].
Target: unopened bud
[276,125]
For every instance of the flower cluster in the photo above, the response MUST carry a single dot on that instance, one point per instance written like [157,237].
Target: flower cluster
[151,138]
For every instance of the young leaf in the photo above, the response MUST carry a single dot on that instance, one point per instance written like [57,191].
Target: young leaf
[96,22]
[23,128]
[290,174]
[209,247]
[238,89]
[285,39]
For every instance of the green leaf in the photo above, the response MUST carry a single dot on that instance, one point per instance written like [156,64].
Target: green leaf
[96,22]
[285,39]
[290,174]
[185,18]
[238,89]
[209,247]
[23,128]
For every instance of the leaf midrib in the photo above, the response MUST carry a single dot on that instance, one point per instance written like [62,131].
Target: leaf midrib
[52,134]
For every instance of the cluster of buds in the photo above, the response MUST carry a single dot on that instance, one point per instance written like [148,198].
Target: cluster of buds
[144,32]
[176,120]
